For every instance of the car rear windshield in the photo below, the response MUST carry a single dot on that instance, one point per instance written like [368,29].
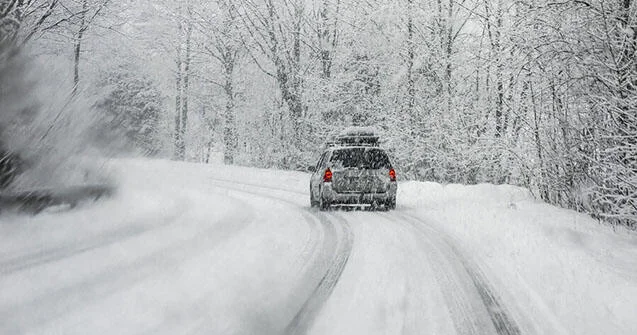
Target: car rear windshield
[370,158]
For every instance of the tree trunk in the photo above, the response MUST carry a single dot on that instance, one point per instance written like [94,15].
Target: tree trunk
[627,83]
[323,37]
[76,64]
[544,193]
[78,47]
[287,64]
[411,89]
[184,105]
[177,135]
[448,54]
[327,39]
[496,48]
[229,131]
[178,154]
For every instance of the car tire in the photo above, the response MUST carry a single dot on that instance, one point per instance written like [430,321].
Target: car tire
[374,206]
[313,203]
[391,204]
[323,204]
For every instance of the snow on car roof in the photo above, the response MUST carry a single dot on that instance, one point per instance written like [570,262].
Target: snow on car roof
[355,137]
[359,131]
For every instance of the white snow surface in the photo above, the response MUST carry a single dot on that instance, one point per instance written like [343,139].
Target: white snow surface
[187,248]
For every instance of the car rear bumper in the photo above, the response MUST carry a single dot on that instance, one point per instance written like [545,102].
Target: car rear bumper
[333,197]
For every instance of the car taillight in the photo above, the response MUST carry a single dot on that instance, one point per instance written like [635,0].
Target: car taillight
[327,177]
[392,175]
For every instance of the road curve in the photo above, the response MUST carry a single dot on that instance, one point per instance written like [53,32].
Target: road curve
[212,255]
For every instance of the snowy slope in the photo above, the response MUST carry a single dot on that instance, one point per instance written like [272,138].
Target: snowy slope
[188,248]
[576,275]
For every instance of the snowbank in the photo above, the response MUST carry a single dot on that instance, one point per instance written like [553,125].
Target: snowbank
[428,194]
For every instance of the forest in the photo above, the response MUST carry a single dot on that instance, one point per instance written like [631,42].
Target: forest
[536,93]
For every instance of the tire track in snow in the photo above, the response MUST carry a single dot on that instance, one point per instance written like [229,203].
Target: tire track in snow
[499,317]
[312,306]
[503,323]
[201,324]
[339,238]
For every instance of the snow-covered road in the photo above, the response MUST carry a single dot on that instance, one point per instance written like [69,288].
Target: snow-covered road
[200,249]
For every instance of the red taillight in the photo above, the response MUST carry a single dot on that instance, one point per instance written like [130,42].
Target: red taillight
[327,177]
[392,175]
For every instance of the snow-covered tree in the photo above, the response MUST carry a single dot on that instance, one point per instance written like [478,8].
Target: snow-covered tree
[132,108]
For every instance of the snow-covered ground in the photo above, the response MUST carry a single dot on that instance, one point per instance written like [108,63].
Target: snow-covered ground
[189,248]
[563,270]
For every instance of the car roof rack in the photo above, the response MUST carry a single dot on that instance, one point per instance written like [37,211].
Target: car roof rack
[355,136]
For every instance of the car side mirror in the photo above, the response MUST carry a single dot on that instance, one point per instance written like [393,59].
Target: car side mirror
[311,169]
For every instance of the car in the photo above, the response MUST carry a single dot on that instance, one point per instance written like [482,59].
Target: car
[353,170]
